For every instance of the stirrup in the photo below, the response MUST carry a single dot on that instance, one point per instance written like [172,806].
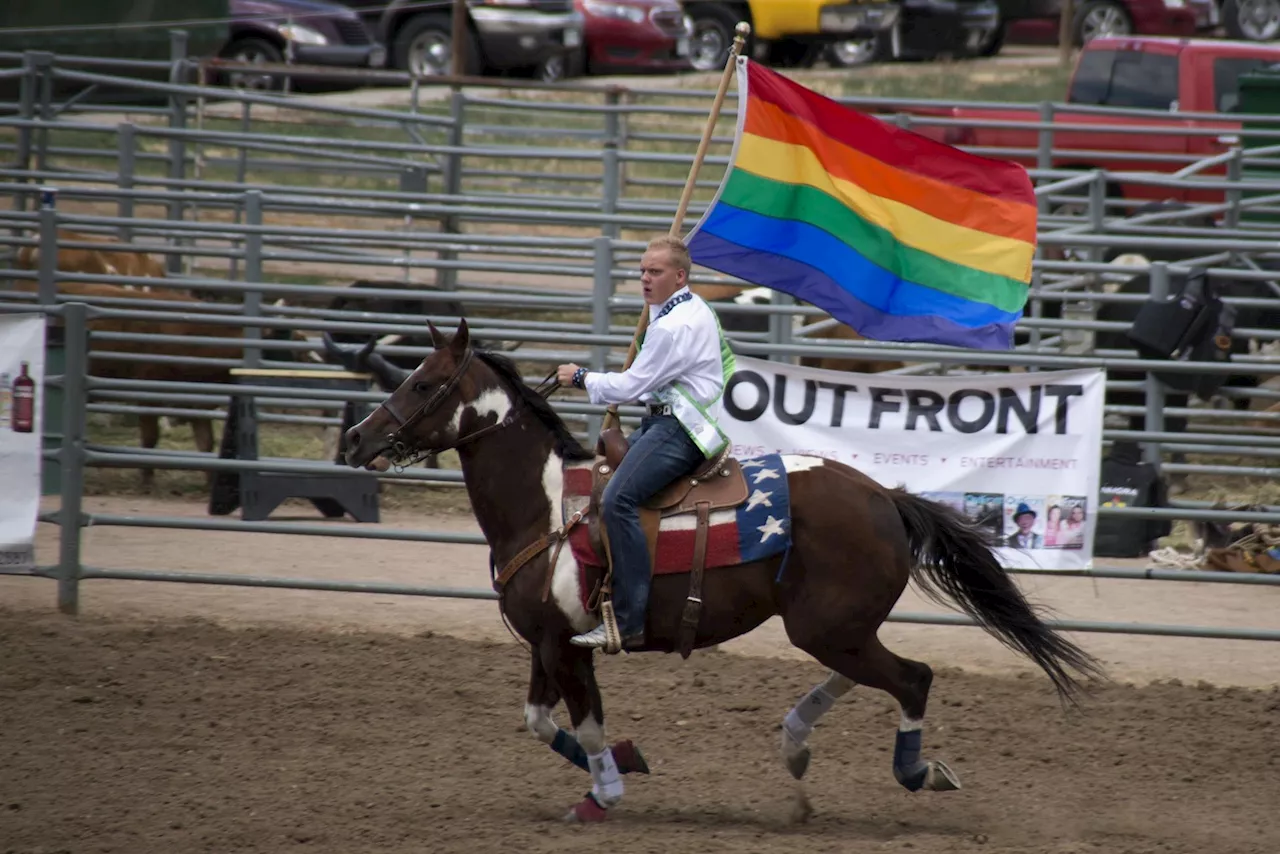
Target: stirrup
[604,636]
[609,622]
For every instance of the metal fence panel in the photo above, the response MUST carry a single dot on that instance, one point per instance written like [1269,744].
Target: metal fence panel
[231,197]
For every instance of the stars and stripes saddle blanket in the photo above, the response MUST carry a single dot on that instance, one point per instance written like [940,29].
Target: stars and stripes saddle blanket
[757,528]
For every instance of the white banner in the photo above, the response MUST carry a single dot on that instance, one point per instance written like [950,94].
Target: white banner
[1020,452]
[21,426]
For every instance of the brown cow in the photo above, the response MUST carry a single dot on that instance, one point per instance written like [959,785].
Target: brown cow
[97,262]
[144,369]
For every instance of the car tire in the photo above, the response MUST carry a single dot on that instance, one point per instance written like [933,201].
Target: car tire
[713,34]
[786,53]
[252,49]
[855,52]
[1251,31]
[994,44]
[578,65]
[553,69]
[1101,17]
[423,46]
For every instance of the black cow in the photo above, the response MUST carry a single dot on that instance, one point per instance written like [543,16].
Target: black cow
[359,360]
[379,308]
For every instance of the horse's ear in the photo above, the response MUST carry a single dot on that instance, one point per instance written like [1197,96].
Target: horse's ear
[438,341]
[461,338]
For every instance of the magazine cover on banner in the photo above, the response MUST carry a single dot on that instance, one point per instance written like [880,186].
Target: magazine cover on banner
[21,388]
[1019,453]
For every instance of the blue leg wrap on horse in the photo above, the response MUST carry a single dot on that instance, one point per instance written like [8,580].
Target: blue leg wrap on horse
[568,747]
[908,768]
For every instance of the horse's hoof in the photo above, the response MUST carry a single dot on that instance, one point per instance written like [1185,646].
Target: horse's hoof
[587,811]
[629,758]
[940,778]
[798,762]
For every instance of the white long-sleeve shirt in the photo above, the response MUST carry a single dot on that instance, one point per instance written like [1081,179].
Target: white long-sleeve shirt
[681,344]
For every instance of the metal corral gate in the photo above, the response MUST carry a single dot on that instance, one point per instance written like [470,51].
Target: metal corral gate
[596,254]
[76,453]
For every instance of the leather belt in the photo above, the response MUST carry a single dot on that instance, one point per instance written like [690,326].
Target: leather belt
[658,409]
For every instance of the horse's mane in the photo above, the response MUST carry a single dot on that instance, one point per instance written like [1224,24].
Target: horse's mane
[567,445]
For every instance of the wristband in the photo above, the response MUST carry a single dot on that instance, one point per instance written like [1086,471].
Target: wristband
[579,378]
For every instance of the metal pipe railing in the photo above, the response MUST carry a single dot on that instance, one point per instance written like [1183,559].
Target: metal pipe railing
[254,243]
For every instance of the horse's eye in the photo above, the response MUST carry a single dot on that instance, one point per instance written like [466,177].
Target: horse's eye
[422,388]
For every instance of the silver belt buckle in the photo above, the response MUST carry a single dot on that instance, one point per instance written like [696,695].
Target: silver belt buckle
[656,409]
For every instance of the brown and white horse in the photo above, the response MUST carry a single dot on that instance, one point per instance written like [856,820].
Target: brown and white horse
[855,545]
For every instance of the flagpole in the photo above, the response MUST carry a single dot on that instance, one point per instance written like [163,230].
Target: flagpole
[739,41]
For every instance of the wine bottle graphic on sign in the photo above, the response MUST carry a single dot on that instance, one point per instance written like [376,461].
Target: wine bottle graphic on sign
[24,402]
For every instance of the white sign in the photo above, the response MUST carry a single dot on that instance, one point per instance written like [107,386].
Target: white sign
[1018,452]
[21,426]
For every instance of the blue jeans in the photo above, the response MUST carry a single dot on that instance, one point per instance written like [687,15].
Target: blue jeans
[661,451]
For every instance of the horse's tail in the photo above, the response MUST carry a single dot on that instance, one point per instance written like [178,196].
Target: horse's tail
[952,555]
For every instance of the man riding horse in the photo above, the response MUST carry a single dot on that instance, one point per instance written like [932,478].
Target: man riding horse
[852,545]
[680,374]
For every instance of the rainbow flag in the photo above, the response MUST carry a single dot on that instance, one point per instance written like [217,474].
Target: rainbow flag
[898,236]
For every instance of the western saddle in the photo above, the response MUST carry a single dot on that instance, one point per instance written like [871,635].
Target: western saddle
[717,484]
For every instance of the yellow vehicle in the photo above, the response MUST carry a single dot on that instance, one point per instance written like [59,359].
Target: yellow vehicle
[787,33]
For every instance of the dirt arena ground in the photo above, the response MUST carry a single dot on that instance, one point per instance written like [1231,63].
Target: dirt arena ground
[284,721]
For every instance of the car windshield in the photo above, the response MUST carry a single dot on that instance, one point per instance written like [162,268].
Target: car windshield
[1125,79]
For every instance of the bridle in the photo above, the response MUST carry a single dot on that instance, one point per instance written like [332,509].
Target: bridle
[404,452]
[400,446]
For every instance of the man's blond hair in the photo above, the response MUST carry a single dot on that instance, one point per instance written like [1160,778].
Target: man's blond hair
[675,246]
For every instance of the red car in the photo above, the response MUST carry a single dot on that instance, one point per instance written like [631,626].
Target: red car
[1100,18]
[633,35]
[1175,80]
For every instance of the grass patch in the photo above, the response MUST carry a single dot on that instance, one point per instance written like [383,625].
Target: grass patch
[959,81]
[275,440]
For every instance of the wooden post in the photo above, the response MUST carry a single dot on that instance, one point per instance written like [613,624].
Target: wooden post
[739,41]
[458,53]
[1066,35]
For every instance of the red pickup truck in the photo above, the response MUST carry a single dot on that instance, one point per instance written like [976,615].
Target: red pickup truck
[1168,76]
